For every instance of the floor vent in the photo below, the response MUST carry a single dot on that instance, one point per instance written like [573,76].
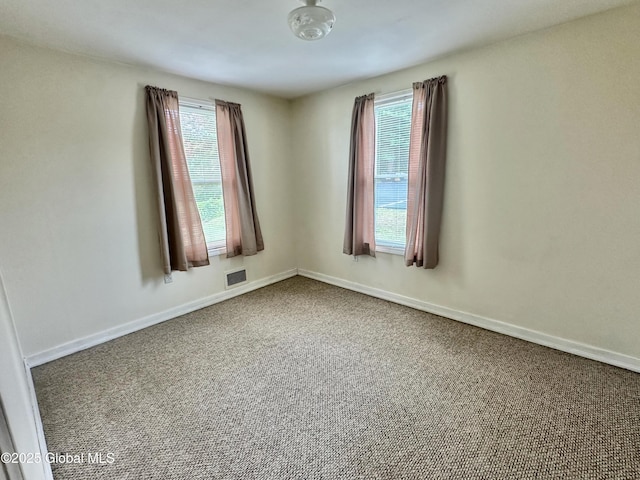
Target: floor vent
[236,277]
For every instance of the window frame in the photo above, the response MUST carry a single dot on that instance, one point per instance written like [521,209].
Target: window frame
[218,248]
[405,95]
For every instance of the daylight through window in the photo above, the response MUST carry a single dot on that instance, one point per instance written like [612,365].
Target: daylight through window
[393,127]
[198,122]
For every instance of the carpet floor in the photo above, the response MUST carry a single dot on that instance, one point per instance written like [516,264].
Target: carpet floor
[303,380]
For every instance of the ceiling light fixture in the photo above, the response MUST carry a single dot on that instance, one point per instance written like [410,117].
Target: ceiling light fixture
[311,22]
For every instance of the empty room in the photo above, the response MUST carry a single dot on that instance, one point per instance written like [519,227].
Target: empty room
[320,239]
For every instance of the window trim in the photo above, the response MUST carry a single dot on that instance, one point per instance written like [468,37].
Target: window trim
[215,251]
[390,250]
[393,97]
[217,248]
[390,98]
[197,103]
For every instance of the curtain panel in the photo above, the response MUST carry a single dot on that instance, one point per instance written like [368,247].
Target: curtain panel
[359,235]
[182,241]
[244,236]
[427,156]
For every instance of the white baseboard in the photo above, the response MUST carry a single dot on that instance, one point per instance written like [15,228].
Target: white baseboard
[65,349]
[42,441]
[562,344]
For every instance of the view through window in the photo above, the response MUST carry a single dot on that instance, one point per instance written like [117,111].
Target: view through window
[393,127]
[198,123]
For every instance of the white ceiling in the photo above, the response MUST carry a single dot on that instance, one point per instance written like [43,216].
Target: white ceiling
[248,42]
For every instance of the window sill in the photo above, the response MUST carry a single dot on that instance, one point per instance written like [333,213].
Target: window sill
[216,251]
[390,250]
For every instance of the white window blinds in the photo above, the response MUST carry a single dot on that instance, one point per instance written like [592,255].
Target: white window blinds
[393,127]
[198,122]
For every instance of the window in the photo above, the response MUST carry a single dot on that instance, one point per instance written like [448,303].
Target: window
[393,128]
[198,123]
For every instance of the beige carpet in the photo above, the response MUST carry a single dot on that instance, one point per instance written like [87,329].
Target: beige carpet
[302,380]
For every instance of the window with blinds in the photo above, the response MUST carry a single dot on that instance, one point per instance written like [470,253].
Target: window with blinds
[200,138]
[393,127]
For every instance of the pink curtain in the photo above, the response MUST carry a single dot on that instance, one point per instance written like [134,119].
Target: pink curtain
[244,236]
[427,155]
[182,239]
[359,235]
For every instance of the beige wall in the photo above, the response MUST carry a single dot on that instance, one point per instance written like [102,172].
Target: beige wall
[541,225]
[78,244]
[541,228]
